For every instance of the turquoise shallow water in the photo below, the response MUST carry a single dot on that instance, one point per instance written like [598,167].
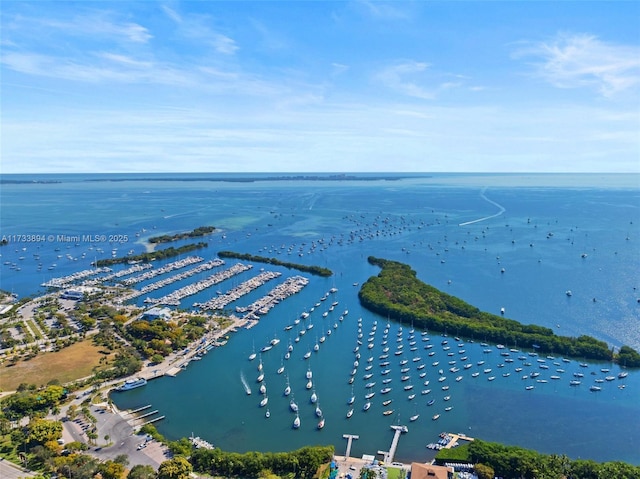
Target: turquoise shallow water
[537,228]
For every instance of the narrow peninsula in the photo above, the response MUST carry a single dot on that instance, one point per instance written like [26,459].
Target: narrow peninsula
[197,232]
[146,257]
[317,270]
[397,293]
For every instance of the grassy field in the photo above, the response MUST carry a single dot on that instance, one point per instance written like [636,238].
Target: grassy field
[394,473]
[73,362]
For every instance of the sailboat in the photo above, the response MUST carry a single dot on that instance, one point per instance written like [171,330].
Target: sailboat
[293,405]
[318,410]
[309,373]
[281,368]
[415,416]
[352,398]
[287,390]
[264,401]
[296,421]
[253,355]
[263,388]
[321,423]
[314,397]
[349,413]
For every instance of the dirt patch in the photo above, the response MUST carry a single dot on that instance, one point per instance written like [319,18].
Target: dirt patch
[71,363]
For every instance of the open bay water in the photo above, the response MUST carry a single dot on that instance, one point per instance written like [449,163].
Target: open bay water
[539,236]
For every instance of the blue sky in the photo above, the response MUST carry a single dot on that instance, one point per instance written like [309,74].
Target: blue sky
[419,86]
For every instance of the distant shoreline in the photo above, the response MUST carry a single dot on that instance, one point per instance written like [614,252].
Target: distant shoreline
[230,179]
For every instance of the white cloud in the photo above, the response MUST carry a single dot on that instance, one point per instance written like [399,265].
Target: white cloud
[117,68]
[91,24]
[581,60]
[338,69]
[172,14]
[384,10]
[414,79]
[400,77]
[224,44]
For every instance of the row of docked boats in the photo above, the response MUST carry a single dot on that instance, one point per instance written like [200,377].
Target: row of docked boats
[302,324]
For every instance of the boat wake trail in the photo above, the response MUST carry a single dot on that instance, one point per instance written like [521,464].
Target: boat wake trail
[483,196]
[247,389]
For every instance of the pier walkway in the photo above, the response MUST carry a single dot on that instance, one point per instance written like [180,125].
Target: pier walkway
[349,438]
[389,455]
[454,438]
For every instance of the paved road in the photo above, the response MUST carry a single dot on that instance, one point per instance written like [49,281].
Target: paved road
[9,470]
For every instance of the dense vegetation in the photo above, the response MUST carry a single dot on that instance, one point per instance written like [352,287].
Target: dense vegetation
[199,231]
[397,293]
[300,464]
[159,337]
[493,459]
[317,270]
[155,255]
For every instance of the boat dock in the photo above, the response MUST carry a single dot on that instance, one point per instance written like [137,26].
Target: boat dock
[389,455]
[200,443]
[454,438]
[137,421]
[349,438]
[138,410]
[221,301]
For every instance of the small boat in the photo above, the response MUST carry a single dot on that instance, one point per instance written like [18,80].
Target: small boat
[349,413]
[307,355]
[366,406]
[387,402]
[267,414]
[436,417]
[448,408]
[430,403]
[388,412]
[296,421]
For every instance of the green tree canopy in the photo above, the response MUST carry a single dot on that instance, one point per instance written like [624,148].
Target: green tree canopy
[176,468]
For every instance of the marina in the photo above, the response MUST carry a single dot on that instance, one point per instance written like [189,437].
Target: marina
[430,233]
